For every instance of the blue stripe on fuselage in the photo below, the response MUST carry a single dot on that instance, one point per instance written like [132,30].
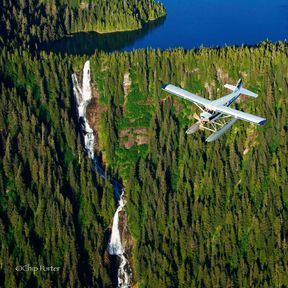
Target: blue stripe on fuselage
[216,114]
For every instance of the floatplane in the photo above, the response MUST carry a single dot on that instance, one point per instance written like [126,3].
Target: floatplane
[216,116]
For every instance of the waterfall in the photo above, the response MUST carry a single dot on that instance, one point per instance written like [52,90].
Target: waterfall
[115,245]
[115,248]
[83,95]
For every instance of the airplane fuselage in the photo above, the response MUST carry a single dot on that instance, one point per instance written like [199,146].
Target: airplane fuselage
[208,115]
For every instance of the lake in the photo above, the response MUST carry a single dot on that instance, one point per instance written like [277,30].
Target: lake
[191,24]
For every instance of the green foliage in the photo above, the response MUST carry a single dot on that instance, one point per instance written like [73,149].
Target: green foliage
[202,215]
[33,22]
[53,209]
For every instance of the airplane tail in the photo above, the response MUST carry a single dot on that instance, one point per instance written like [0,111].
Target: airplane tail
[239,88]
[239,84]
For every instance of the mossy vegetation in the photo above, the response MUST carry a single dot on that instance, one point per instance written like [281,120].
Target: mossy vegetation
[202,214]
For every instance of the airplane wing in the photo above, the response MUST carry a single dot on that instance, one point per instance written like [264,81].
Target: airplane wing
[186,95]
[239,114]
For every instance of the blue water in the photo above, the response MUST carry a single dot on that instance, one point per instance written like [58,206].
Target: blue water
[194,23]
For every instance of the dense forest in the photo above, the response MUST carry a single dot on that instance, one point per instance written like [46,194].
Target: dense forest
[32,22]
[202,215]
[54,210]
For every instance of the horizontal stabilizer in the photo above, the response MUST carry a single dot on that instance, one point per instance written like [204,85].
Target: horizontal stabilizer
[230,87]
[248,93]
[242,90]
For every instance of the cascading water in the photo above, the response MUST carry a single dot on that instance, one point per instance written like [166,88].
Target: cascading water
[83,95]
[115,248]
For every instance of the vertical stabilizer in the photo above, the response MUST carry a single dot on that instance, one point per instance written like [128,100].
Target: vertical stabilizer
[239,84]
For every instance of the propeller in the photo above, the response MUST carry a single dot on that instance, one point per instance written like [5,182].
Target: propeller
[197,117]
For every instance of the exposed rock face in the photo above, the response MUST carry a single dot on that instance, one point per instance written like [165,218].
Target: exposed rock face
[126,83]
[210,88]
[84,5]
[132,136]
[222,76]
[127,241]
[121,260]
[251,140]
[93,112]
[126,237]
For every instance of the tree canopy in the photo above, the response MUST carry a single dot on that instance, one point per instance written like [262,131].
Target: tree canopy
[33,22]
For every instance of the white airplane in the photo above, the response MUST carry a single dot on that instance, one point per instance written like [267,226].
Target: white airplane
[217,114]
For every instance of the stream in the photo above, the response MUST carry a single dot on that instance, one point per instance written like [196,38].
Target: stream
[83,94]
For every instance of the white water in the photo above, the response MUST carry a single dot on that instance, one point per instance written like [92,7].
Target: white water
[115,248]
[83,95]
[115,245]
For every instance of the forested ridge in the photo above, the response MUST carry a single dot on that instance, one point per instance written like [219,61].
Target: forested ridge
[54,209]
[32,22]
[202,214]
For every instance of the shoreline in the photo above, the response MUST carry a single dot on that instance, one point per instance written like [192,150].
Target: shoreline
[115,31]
